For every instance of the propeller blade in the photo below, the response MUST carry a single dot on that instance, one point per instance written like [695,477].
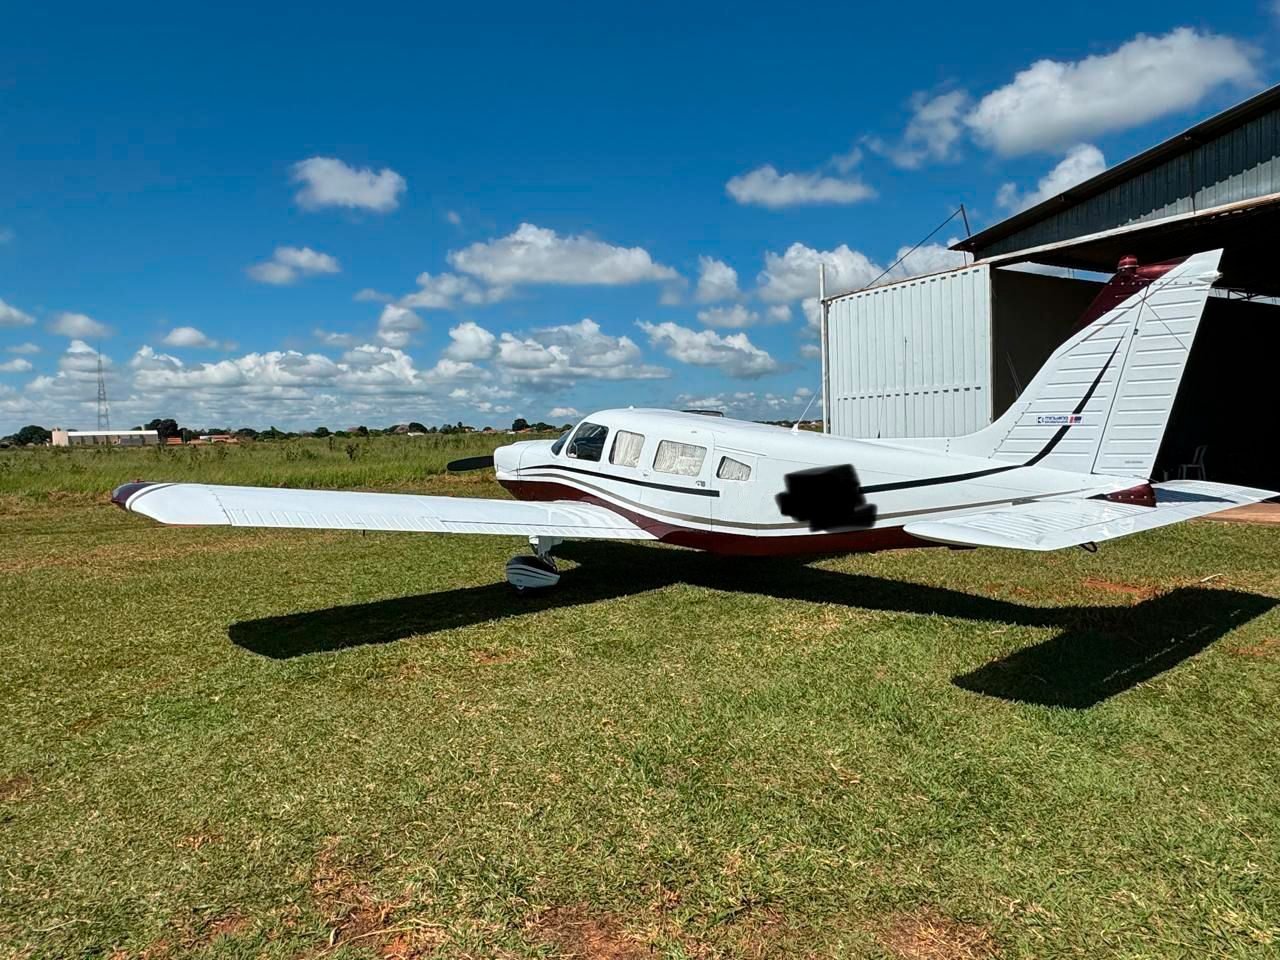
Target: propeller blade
[469,463]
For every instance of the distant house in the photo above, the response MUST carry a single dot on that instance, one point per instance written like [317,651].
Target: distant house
[104,438]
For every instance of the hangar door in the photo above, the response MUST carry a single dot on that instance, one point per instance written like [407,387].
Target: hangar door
[912,359]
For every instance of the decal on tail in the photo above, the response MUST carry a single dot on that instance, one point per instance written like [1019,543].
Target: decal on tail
[1101,402]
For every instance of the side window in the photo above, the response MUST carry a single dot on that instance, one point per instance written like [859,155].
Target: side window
[731,469]
[682,459]
[559,444]
[588,442]
[626,448]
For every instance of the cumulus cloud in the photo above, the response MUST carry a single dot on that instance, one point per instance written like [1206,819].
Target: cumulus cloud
[470,341]
[536,255]
[766,187]
[749,404]
[1081,162]
[716,281]
[332,338]
[444,291]
[194,338]
[1053,103]
[793,274]
[287,264]
[13,317]
[370,295]
[734,355]
[927,258]
[736,316]
[564,413]
[328,182]
[22,348]
[569,352]
[936,126]
[78,325]
[16,365]
[396,325]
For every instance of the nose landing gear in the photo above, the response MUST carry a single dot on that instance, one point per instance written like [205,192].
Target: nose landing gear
[537,572]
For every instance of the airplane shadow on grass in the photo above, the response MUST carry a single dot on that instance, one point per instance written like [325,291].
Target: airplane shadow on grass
[1100,651]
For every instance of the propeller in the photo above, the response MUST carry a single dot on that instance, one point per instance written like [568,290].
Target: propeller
[469,463]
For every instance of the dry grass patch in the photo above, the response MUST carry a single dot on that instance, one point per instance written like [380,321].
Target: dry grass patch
[1125,589]
[1265,649]
[14,787]
[928,935]
[579,933]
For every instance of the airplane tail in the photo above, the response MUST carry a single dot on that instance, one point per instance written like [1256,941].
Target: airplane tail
[1101,402]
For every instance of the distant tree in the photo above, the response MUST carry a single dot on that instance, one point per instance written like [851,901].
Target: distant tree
[416,427]
[566,428]
[32,433]
[362,431]
[165,428]
[247,433]
[519,423]
[542,427]
[322,432]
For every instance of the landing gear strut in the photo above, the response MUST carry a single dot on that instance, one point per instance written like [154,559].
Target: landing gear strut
[537,572]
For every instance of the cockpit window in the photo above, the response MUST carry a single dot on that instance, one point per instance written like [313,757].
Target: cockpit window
[731,469]
[626,448]
[682,459]
[559,444]
[588,441]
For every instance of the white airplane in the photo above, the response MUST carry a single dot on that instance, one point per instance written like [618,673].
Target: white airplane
[1069,464]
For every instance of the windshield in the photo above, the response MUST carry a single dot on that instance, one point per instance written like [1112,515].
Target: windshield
[559,444]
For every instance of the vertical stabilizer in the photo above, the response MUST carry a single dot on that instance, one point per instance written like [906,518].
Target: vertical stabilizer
[1101,402]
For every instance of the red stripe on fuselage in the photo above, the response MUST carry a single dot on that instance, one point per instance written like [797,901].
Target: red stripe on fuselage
[723,542]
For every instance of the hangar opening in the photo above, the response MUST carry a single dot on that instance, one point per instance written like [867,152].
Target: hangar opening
[945,354]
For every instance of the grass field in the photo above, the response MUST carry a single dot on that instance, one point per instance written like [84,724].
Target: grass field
[299,745]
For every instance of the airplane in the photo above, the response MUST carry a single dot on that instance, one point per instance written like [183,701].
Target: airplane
[1068,464]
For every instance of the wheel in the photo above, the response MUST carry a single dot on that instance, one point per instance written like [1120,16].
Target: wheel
[530,574]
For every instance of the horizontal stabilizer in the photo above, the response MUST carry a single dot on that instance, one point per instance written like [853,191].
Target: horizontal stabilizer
[201,504]
[1054,524]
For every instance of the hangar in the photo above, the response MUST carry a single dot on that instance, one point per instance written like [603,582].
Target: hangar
[946,353]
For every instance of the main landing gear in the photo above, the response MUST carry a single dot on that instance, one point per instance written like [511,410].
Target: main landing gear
[537,572]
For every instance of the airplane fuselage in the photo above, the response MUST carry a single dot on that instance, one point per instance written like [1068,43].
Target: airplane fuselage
[712,483]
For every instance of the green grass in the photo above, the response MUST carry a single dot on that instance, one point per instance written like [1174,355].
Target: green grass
[275,744]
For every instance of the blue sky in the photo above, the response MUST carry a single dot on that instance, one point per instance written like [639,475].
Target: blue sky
[299,215]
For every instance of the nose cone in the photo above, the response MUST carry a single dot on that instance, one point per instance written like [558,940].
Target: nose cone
[506,460]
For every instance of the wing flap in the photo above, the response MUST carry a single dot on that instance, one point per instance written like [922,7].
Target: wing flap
[1054,524]
[202,504]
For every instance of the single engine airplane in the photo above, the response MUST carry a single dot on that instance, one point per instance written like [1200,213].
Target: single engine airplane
[1068,464]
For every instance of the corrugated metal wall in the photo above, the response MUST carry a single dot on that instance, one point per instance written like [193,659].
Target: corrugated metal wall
[912,359]
[1239,165]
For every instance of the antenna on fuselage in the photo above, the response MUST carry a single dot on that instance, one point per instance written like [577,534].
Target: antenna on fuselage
[795,427]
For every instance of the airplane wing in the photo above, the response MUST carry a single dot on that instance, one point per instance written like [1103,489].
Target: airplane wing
[1054,524]
[201,504]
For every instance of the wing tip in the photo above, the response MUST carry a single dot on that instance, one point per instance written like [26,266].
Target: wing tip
[122,494]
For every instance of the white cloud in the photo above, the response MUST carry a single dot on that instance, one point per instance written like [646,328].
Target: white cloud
[533,254]
[78,325]
[194,338]
[572,352]
[936,125]
[750,405]
[928,258]
[396,325]
[328,182]
[16,365]
[332,338]
[444,291]
[1052,103]
[1081,162]
[287,264]
[370,295]
[734,355]
[564,413]
[470,341]
[765,187]
[22,348]
[734,317]
[779,313]
[716,281]
[793,274]
[453,217]
[79,357]
[13,317]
